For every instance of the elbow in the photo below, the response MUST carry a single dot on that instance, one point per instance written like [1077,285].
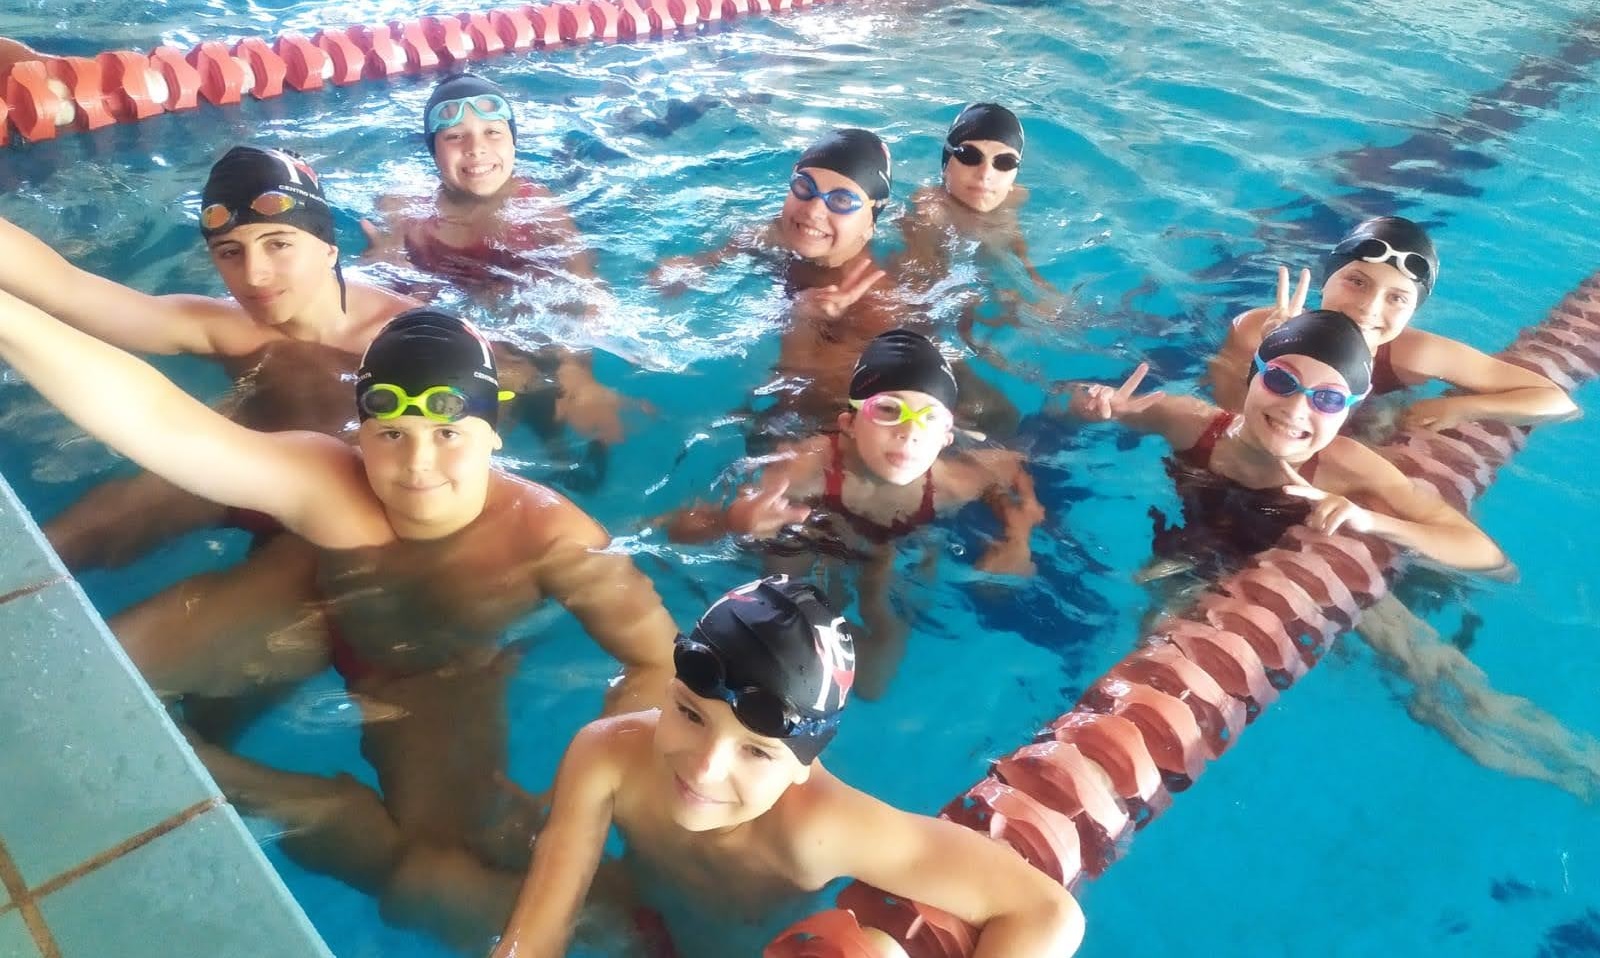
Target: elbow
[1063,917]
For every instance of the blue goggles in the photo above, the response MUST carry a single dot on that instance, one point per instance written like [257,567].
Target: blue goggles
[840,200]
[1324,399]
[448,113]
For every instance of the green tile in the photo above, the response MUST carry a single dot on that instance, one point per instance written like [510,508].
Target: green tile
[88,756]
[25,559]
[202,891]
[15,942]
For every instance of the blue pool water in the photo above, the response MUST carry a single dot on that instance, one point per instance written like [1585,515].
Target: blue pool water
[1176,154]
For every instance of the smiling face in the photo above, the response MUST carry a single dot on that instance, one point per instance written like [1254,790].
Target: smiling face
[475,156]
[904,452]
[273,270]
[810,230]
[980,187]
[1380,299]
[431,477]
[720,774]
[1288,427]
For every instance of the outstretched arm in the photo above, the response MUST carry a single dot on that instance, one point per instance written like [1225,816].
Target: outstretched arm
[1020,912]
[1179,419]
[117,314]
[125,403]
[1365,492]
[778,500]
[1496,389]
[568,851]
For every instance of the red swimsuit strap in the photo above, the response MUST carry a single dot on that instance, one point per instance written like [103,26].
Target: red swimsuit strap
[833,498]
[1199,454]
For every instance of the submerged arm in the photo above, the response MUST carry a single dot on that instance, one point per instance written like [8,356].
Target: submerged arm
[1009,492]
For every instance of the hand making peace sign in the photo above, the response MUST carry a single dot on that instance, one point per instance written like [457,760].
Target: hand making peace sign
[1099,403]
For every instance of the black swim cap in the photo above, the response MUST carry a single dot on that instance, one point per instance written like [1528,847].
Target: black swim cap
[783,638]
[242,178]
[858,154]
[1409,250]
[457,86]
[984,121]
[422,348]
[1326,336]
[902,359]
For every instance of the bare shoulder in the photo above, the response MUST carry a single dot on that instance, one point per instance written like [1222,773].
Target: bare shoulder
[820,822]
[226,327]
[603,752]
[374,305]
[547,517]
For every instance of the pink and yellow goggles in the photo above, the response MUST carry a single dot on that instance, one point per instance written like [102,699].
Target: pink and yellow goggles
[886,409]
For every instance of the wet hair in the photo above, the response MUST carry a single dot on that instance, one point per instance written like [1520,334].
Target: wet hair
[1327,336]
[1402,235]
[902,359]
[858,154]
[422,348]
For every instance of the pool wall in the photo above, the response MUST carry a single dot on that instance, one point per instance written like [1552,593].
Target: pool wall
[113,839]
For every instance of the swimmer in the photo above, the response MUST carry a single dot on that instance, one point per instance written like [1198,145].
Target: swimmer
[820,240]
[1378,275]
[1300,387]
[486,228]
[422,555]
[881,476]
[977,200]
[720,796]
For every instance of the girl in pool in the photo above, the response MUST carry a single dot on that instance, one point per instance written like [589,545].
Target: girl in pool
[884,474]
[1378,275]
[1283,447]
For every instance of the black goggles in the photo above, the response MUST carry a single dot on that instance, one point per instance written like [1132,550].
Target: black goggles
[700,669]
[968,155]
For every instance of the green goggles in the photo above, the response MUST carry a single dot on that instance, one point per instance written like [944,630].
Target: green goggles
[438,403]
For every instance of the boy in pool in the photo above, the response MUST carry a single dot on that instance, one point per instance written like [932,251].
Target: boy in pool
[720,795]
[1301,384]
[880,477]
[421,555]
[977,199]
[1378,275]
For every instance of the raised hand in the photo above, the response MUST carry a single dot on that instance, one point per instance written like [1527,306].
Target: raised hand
[766,511]
[1098,403]
[1288,305]
[831,301]
[1329,512]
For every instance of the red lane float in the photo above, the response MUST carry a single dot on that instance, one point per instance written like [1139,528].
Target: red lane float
[1148,727]
[515,28]
[36,108]
[86,89]
[383,56]
[485,39]
[182,80]
[446,38]
[547,20]
[304,63]
[266,67]
[134,91]
[222,80]
[347,61]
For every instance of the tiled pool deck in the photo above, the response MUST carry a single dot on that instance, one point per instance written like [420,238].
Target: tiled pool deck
[113,839]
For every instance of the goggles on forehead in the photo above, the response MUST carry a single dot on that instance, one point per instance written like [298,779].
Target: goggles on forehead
[488,106]
[840,200]
[763,712]
[1373,250]
[885,409]
[969,155]
[438,403]
[1324,399]
[217,216]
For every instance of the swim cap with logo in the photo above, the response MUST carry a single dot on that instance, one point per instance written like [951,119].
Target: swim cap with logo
[903,360]
[984,121]
[779,640]
[855,153]
[422,348]
[1394,240]
[1326,336]
[245,174]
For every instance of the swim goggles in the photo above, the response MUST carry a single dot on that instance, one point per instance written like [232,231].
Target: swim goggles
[271,203]
[890,410]
[489,106]
[970,155]
[438,403]
[700,668]
[841,200]
[1324,399]
[1373,250]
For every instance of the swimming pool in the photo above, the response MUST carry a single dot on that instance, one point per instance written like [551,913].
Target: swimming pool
[1173,163]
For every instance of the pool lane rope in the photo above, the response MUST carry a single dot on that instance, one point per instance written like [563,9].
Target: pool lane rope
[1070,801]
[40,99]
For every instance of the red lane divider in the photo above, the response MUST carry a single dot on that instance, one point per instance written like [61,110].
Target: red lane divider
[515,28]
[132,86]
[183,80]
[345,56]
[85,87]
[35,107]
[221,77]
[485,39]
[266,67]
[1149,727]
[445,37]
[303,61]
